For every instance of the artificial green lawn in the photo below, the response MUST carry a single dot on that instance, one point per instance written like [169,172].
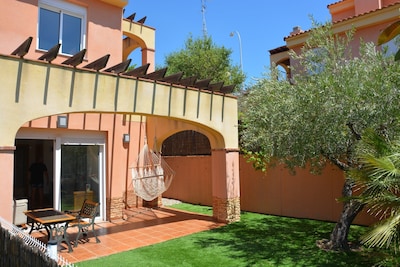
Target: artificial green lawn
[257,240]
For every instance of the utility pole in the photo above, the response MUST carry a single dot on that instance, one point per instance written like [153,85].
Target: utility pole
[203,11]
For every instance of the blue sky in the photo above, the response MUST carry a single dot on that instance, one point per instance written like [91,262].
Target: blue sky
[261,24]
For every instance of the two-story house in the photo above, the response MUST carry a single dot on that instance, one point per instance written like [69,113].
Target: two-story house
[69,101]
[367,17]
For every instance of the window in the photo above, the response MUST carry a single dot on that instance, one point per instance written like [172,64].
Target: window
[390,48]
[316,60]
[61,22]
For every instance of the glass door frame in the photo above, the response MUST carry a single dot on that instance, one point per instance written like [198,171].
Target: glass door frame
[73,138]
[59,141]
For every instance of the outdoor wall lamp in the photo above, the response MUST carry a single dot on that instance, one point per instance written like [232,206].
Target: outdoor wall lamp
[126,138]
[62,121]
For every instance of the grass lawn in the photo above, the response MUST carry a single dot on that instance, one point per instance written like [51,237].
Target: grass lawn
[257,240]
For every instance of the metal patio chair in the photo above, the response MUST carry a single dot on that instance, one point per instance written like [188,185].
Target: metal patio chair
[85,218]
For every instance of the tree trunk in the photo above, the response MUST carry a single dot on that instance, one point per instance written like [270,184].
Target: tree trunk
[338,239]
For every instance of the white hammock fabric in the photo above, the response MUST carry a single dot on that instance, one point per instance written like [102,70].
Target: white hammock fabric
[151,176]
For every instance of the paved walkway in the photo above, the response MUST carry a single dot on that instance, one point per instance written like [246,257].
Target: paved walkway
[141,228]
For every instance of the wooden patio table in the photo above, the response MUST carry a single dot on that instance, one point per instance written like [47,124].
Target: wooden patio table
[53,221]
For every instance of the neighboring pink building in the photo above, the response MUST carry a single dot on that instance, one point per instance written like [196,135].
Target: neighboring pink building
[368,17]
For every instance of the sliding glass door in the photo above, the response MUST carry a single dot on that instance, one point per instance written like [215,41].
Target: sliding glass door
[81,172]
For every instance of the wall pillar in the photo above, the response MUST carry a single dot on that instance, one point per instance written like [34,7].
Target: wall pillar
[226,186]
[7,182]
[148,56]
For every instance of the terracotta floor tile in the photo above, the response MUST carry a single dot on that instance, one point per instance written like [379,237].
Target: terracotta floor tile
[141,228]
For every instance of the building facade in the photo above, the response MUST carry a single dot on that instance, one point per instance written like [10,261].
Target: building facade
[70,101]
[367,17]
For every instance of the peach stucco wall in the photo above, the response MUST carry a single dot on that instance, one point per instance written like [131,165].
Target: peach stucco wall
[103,24]
[6,160]
[303,195]
[192,182]
[276,192]
[368,18]
[341,10]
[281,193]
[120,156]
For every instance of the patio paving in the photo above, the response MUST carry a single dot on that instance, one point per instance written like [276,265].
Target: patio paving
[142,227]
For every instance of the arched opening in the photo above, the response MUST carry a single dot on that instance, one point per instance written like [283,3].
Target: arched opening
[284,68]
[186,143]
[189,155]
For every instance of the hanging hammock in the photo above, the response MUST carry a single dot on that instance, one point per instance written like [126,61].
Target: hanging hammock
[151,176]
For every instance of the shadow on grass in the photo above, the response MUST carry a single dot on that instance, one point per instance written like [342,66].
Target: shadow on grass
[262,240]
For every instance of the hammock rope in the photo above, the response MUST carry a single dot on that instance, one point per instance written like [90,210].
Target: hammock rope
[151,176]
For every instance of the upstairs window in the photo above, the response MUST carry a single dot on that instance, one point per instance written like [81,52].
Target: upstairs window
[61,23]
[390,48]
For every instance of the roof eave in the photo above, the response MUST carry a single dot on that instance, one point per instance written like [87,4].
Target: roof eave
[364,20]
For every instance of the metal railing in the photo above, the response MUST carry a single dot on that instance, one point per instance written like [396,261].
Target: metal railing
[31,241]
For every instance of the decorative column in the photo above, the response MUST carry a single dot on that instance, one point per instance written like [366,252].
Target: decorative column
[7,182]
[226,186]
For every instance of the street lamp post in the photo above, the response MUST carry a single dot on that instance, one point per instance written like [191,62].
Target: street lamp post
[240,47]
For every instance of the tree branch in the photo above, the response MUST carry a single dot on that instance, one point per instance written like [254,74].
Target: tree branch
[343,166]
[355,133]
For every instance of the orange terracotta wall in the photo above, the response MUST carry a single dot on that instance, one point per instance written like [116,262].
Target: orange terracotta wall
[364,6]
[361,35]
[192,182]
[369,17]
[12,25]
[342,10]
[342,15]
[103,25]
[349,8]
[365,35]
[389,2]
[6,160]
[303,195]
[277,192]
[120,156]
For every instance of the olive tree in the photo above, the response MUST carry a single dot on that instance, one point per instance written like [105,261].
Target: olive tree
[319,114]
